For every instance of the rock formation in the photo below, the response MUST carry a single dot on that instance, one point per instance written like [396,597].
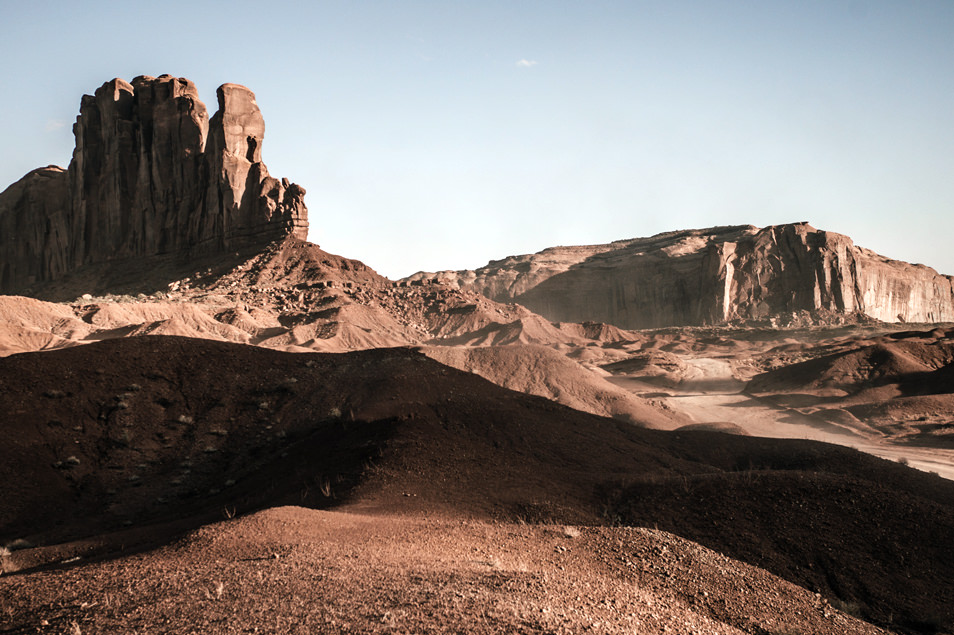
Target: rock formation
[715,276]
[151,174]
[34,229]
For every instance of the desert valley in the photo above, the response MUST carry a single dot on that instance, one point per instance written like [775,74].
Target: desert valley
[212,425]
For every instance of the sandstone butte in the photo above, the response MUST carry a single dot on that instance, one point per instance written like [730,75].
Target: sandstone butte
[151,174]
[715,276]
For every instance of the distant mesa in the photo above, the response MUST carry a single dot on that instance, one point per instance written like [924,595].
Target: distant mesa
[151,174]
[780,274]
[156,191]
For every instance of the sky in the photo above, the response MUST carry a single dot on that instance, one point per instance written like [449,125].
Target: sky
[441,135]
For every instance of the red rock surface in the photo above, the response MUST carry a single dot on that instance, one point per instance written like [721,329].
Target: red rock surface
[714,276]
[150,175]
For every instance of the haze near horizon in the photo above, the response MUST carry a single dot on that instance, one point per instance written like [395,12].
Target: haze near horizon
[438,136]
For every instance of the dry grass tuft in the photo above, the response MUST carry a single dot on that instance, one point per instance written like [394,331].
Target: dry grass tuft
[571,532]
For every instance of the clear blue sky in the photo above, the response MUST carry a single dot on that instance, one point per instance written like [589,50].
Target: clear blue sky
[440,135]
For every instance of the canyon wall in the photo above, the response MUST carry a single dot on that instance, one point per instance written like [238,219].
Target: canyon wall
[715,276]
[150,174]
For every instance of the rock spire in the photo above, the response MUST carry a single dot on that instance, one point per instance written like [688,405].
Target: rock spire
[151,174]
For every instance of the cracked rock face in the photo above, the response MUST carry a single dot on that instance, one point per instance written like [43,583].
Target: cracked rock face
[716,276]
[151,174]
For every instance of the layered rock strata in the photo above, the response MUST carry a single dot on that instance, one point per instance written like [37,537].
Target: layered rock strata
[715,276]
[151,174]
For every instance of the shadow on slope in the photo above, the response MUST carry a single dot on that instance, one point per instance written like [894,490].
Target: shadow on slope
[142,429]
[291,261]
[892,359]
[899,385]
[129,432]
[849,528]
[542,371]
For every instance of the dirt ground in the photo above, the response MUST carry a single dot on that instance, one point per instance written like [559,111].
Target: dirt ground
[194,483]
[293,570]
[446,503]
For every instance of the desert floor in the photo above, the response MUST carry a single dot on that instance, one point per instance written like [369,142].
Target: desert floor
[712,394]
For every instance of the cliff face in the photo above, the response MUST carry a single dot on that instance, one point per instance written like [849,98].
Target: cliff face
[795,267]
[714,276]
[34,240]
[150,175]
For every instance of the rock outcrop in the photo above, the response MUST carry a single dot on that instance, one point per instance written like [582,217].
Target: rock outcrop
[715,276]
[34,229]
[151,174]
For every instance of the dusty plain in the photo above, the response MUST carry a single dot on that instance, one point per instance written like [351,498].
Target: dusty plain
[162,487]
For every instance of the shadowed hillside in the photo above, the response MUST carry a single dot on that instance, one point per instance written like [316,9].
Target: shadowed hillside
[129,432]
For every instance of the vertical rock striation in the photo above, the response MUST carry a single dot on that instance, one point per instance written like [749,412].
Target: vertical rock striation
[242,199]
[797,268]
[716,276]
[34,239]
[151,174]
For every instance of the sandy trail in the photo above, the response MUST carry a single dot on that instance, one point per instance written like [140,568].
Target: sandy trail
[710,393]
